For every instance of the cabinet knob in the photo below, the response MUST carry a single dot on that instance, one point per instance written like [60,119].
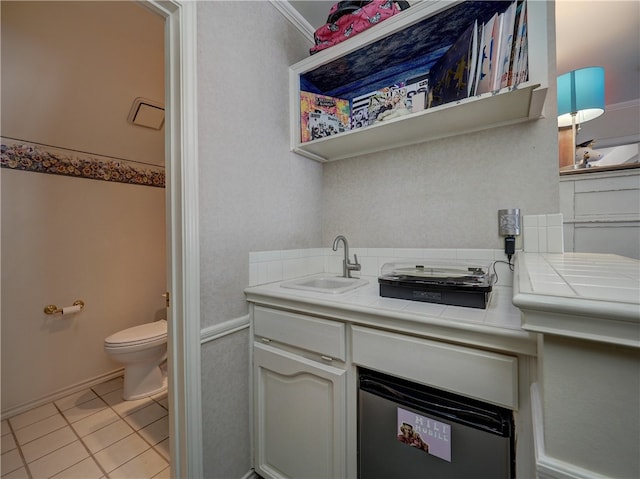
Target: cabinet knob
[327,358]
[265,340]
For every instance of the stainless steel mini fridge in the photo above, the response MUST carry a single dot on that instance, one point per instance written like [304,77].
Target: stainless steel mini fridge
[408,430]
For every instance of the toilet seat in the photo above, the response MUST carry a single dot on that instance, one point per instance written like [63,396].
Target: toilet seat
[144,334]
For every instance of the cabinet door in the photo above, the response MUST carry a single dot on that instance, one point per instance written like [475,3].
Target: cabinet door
[299,416]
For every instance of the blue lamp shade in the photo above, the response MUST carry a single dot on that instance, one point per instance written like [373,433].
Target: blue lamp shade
[580,93]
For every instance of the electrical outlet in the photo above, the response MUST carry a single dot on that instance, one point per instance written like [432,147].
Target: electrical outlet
[509,222]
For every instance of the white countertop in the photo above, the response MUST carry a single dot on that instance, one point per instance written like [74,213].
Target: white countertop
[581,295]
[497,327]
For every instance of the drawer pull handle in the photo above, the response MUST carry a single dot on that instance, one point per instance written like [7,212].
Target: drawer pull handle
[265,340]
[327,358]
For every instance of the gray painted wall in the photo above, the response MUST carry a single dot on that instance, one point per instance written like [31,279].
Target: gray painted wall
[443,194]
[255,195]
[446,193]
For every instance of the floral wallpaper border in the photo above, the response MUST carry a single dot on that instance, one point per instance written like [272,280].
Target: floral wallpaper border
[20,155]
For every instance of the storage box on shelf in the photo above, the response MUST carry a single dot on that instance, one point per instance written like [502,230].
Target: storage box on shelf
[405,46]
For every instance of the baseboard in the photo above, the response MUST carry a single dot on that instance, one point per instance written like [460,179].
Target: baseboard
[60,393]
[250,475]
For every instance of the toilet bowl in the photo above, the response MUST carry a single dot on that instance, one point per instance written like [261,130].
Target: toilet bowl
[143,350]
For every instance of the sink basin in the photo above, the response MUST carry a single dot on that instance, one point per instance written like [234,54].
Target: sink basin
[326,284]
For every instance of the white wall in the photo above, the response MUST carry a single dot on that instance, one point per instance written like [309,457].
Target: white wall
[67,82]
[254,196]
[82,64]
[65,239]
[591,391]
[620,124]
[444,194]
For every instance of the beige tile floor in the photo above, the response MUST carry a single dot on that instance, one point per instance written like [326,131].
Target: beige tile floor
[91,434]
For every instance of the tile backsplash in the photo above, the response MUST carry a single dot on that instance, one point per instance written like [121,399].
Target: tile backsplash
[543,233]
[271,266]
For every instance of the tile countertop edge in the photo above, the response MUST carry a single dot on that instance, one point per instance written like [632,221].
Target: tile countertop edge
[580,317]
[471,334]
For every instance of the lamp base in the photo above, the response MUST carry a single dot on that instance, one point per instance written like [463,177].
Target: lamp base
[566,148]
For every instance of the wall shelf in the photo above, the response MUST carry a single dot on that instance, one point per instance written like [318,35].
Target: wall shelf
[350,60]
[467,116]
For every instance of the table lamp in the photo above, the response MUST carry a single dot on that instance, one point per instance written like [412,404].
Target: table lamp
[580,98]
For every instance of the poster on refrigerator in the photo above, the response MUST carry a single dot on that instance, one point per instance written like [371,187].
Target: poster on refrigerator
[424,433]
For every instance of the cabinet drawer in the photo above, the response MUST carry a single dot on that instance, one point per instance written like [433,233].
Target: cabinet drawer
[475,373]
[313,334]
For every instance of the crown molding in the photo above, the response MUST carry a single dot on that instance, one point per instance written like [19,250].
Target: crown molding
[291,14]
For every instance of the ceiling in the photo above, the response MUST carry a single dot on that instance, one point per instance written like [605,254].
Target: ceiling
[588,33]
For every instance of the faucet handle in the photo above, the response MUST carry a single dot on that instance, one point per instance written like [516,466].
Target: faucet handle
[353,266]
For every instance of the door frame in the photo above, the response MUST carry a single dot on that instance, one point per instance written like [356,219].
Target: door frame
[183,262]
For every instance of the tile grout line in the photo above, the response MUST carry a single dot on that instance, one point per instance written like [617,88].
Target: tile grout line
[80,439]
[151,446]
[135,457]
[120,418]
[19,448]
[68,423]
[135,431]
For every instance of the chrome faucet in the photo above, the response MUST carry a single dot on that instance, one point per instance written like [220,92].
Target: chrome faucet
[347,265]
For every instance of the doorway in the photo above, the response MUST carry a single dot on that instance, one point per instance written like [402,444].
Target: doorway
[181,233]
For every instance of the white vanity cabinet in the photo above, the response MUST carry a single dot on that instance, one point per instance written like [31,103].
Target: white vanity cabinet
[398,48]
[589,349]
[299,380]
[305,366]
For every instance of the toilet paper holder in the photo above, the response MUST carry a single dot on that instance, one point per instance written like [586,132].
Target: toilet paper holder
[53,309]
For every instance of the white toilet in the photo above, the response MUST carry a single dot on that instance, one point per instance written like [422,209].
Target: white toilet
[143,350]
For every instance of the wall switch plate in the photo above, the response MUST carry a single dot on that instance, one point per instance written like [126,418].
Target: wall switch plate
[509,222]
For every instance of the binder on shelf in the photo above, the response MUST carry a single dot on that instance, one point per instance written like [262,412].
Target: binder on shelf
[521,58]
[509,29]
[502,57]
[473,58]
[496,47]
[486,57]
